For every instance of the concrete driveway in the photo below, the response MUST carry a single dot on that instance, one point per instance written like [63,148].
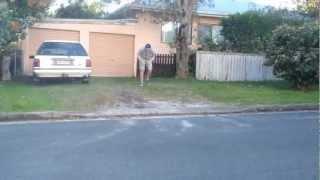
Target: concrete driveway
[266,146]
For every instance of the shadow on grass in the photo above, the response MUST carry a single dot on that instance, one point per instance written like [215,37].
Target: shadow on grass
[46,82]
[190,82]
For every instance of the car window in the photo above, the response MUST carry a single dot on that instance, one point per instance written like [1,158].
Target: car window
[61,49]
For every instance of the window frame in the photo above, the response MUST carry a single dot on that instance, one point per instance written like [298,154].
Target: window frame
[211,29]
[175,32]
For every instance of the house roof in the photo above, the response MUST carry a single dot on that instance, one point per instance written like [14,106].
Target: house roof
[204,9]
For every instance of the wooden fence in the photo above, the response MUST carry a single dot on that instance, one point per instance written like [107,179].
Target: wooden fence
[220,66]
[164,65]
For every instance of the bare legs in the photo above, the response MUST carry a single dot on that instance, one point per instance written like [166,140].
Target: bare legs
[141,77]
[145,66]
[147,76]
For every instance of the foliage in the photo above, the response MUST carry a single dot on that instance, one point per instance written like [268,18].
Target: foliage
[14,19]
[309,7]
[210,45]
[251,30]
[79,9]
[294,52]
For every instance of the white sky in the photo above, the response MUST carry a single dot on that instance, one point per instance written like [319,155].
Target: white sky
[290,4]
[113,6]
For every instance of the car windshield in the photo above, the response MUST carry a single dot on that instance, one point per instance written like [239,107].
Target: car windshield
[61,49]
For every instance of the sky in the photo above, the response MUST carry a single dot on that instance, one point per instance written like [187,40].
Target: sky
[276,3]
[227,6]
[234,6]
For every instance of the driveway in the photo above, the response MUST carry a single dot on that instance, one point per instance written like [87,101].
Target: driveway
[264,146]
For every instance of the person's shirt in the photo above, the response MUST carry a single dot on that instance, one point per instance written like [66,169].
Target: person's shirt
[146,54]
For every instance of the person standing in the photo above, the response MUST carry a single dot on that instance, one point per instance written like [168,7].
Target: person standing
[145,57]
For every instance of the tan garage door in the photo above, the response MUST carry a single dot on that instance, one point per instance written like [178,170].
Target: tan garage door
[112,55]
[38,35]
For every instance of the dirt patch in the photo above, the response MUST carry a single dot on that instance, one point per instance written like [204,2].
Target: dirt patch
[128,96]
[103,99]
[133,101]
[158,107]
[119,98]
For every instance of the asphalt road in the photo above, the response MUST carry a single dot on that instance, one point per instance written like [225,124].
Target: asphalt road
[271,146]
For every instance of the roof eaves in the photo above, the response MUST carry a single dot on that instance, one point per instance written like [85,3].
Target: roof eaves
[88,21]
[212,14]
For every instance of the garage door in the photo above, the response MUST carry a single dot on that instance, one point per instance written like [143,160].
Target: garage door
[38,35]
[112,55]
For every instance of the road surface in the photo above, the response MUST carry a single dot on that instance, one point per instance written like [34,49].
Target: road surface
[266,146]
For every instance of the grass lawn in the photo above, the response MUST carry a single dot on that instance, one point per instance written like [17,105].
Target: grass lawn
[57,96]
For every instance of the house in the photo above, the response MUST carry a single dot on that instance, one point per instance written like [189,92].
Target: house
[113,44]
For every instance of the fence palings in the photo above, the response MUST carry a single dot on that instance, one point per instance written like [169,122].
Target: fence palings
[220,66]
[164,65]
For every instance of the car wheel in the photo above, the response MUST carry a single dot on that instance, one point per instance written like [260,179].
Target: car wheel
[85,81]
[36,80]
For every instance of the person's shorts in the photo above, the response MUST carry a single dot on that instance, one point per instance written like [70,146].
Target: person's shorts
[145,63]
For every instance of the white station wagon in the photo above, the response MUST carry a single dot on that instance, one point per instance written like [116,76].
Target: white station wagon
[61,59]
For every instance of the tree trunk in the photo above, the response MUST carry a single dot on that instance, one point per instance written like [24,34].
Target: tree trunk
[183,40]
[182,60]
[6,75]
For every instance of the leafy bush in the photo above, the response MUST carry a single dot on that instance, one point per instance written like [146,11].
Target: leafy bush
[294,52]
[249,32]
[210,45]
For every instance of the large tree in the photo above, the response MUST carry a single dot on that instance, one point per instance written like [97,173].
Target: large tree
[180,12]
[183,39]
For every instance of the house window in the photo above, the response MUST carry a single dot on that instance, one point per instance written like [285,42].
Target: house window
[210,32]
[168,32]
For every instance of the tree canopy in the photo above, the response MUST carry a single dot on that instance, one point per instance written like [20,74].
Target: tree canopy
[310,7]
[16,16]
[250,31]
[79,9]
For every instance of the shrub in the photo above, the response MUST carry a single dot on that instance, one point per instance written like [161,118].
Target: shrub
[249,32]
[294,53]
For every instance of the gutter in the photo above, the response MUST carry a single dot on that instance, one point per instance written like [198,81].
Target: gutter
[45,116]
[88,21]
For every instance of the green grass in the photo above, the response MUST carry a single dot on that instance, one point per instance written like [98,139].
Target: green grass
[24,97]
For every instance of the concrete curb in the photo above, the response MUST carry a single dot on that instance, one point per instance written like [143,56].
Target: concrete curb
[5,117]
